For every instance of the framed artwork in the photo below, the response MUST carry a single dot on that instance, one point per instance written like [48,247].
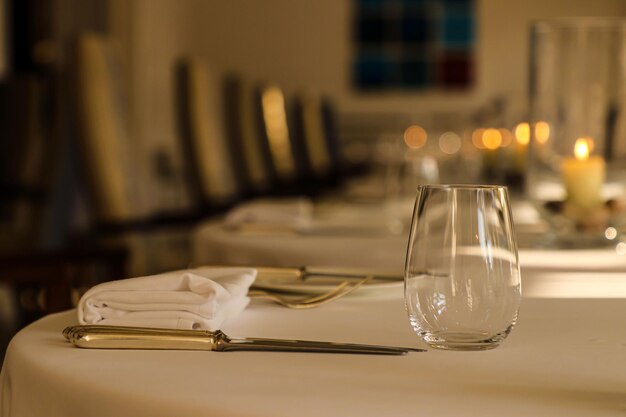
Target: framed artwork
[413,44]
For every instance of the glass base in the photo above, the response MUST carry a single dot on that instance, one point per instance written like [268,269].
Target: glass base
[463,340]
[564,239]
[581,242]
[572,228]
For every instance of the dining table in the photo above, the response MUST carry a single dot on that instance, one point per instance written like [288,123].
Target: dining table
[564,356]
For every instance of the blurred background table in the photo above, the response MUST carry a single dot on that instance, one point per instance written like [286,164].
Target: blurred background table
[367,236]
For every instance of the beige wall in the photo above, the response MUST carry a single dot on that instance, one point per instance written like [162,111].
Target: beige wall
[306,44]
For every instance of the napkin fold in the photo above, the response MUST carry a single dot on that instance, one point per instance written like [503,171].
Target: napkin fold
[201,298]
[296,212]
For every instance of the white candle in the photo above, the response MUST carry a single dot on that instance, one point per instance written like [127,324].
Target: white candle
[522,139]
[583,176]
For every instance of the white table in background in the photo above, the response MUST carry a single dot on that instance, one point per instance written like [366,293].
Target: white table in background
[361,243]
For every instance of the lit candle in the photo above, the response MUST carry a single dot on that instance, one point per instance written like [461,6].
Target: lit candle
[522,139]
[583,176]
[492,140]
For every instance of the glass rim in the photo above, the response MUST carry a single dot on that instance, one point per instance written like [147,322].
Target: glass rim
[462,187]
[575,23]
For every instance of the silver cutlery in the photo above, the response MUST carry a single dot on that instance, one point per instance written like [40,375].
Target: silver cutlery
[305,272]
[121,337]
[269,229]
[310,301]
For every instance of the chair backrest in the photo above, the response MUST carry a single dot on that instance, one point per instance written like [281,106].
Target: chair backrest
[333,143]
[311,129]
[201,126]
[243,133]
[314,126]
[102,131]
[279,141]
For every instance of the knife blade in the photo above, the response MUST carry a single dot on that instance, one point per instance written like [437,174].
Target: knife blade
[122,337]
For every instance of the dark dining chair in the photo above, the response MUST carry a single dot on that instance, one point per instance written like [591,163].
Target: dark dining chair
[212,172]
[244,135]
[314,126]
[282,147]
[111,169]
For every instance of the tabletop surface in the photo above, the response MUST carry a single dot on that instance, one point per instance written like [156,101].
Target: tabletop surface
[564,357]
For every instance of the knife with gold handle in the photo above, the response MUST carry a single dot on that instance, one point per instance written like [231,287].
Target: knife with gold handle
[122,337]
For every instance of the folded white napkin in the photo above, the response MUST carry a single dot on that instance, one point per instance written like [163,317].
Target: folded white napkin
[296,212]
[201,298]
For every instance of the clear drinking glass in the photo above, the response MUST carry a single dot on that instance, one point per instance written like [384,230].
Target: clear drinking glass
[462,278]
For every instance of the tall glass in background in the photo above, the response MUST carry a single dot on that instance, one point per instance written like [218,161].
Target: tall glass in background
[462,277]
[577,168]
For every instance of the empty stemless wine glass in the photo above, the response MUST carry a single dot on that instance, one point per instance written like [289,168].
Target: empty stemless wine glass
[462,279]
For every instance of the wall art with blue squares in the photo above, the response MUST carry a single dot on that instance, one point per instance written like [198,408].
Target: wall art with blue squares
[413,44]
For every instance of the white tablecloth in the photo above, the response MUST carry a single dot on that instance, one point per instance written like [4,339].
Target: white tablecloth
[344,235]
[212,243]
[564,358]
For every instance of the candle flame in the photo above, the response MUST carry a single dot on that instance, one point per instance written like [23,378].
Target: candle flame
[581,149]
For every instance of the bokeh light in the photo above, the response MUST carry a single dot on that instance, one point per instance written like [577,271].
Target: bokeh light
[492,139]
[542,132]
[415,137]
[522,133]
[507,137]
[450,143]
[477,138]
[610,233]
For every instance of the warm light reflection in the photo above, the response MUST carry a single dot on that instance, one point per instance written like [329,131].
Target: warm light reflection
[522,133]
[450,143]
[492,139]
[542,132]
[581,149]
[415,136]
[507,137]
[590,143]
[477,138]
[277,131]
[610,233]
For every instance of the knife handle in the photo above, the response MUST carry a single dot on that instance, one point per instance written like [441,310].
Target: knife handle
[160,341]
[279,272]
